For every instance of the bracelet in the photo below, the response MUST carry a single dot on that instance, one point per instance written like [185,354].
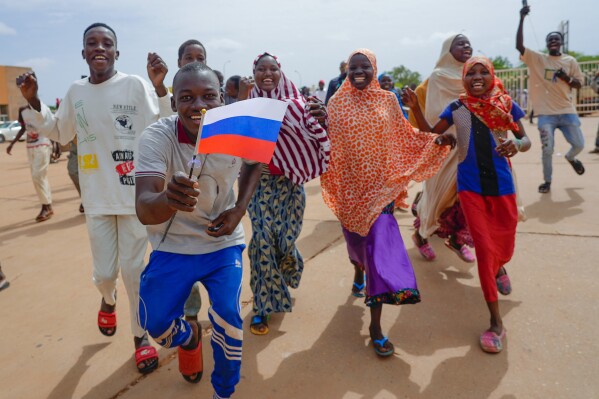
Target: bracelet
[518,144]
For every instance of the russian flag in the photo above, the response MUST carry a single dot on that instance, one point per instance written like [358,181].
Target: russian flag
[248,129]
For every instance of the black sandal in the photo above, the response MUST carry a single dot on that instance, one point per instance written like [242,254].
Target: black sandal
[577,165]
[545,187]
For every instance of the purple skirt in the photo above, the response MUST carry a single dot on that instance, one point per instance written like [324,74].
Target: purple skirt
[382,255]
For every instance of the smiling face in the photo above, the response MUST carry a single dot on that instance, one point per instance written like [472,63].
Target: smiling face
[99,51]
[360,71]
[192,53]
[267,73]
[386,82]
[554,43]
[478,80]
[461,49]
[193,91]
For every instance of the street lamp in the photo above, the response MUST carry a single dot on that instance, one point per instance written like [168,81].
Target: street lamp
[300,77]
[225,66]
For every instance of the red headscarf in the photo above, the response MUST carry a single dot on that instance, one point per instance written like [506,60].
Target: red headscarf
[494,107]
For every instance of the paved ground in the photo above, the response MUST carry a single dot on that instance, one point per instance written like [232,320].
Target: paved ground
[51,347]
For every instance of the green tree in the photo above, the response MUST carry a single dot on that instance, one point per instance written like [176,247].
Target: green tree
[402,76]
[500,62]
[580,57]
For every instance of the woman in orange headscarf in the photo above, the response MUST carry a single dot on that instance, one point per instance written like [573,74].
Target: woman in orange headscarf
[375,152]
[483,116]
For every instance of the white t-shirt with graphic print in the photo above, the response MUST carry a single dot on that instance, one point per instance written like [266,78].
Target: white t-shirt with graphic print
[108,119]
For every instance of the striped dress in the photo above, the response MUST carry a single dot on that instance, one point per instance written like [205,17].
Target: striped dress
[277,207]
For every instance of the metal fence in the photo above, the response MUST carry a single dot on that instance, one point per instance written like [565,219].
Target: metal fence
[586,98]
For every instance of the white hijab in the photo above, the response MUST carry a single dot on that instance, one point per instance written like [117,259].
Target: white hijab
[440,191]
[444,84]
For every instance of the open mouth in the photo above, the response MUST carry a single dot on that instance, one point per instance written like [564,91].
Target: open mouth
[196,119]
[99,58]
[359,79]
[478,85]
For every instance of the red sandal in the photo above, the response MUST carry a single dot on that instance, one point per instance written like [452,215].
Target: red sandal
[191,362]
[107,321]
[149,356]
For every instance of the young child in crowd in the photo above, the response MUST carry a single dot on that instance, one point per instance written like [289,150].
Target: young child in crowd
[483,116]
[39,152]
[205,240]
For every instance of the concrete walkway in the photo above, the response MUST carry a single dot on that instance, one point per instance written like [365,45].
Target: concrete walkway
[51,347]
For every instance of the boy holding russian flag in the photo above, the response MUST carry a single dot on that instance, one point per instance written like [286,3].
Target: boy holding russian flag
[205,240]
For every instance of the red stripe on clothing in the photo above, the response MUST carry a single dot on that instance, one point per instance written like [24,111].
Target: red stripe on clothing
[239,146]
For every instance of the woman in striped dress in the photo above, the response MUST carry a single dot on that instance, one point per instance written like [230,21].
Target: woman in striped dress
[277,207]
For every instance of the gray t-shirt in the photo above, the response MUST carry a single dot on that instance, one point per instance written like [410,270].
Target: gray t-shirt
[162,152]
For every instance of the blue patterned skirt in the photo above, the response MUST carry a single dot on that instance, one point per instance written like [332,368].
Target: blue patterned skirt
[276,211]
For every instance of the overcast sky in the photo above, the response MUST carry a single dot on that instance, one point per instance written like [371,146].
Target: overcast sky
[310,37]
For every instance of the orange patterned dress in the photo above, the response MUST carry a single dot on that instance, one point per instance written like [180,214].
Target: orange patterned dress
[375,152]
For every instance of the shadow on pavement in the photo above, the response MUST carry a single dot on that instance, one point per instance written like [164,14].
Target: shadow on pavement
[318,371]
[66,387]
[34,229]
[449,320]
[548,211]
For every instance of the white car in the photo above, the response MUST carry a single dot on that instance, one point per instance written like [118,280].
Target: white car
[9,130]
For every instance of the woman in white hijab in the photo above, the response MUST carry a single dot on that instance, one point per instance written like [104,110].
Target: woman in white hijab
[438,209]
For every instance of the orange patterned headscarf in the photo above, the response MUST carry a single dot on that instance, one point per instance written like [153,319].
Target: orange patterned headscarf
[495,106]
[375,152]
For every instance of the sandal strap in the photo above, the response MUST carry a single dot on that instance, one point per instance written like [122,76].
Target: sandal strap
[106,320]
[381,342]
[144,353]
[190,361]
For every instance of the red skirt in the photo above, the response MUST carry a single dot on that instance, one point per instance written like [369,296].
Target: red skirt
[492,221]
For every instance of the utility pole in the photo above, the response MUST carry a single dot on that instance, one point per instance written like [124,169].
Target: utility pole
[564,28]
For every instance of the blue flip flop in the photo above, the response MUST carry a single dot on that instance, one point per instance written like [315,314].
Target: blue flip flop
[360,287]
[359,293]
[381,342]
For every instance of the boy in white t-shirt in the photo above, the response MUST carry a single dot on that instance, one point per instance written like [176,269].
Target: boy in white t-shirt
[107,112]
[39,151]
[205,240]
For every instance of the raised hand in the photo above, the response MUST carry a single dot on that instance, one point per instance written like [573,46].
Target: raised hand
[157,70]
[317,109]
[409,98]
[246,84]
[29,86]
